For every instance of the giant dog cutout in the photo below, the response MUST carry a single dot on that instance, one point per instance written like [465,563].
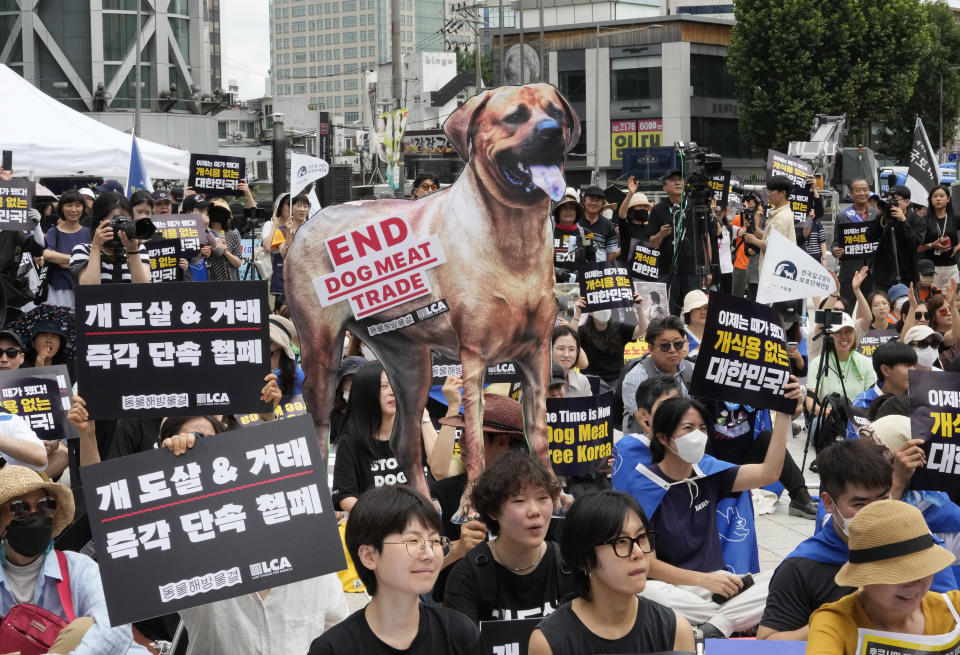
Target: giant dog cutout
[497,280]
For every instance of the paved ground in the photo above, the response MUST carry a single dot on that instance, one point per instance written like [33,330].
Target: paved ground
[779,533]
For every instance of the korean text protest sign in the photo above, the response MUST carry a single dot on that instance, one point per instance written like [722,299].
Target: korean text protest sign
[935,418]
[785,165]
[580,433]
[645,262]
[789,273]
[853,237]
[187,228]
[378,266]
[16,198]
[873,339]
[508,637]
[288,407]
[42,396]
[720,185]
[605,285]
[443,367]
[172,349]
[878,642]
[239,512]
[744,360]
[216,174]
[800,202]
[164,255]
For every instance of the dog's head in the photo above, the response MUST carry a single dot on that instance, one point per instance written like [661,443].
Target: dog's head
[516,137]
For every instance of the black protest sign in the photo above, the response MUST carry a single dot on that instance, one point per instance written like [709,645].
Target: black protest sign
[853,237]
[605,285]
[239,512]
[857,417]
[580,433]
[443,367]
[935,418]
[873,339]
[800,201]
[164,255]
[216,174]
[720,185]
[645,262]
[743,358]
[507,637]
[42,397]
[16,199]
[172,349]
[187,228]
[791,167]
[288,407]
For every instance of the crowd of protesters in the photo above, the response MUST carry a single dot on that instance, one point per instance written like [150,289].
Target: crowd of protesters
[639,562]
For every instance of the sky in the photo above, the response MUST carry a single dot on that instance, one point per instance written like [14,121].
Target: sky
[245,45]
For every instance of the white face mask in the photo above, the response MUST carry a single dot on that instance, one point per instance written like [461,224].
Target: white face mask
[602,316]
[691,446]
[346,396]
[842,520]
[926,356]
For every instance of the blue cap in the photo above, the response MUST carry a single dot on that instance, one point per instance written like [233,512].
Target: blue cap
[898,291]
[110,185]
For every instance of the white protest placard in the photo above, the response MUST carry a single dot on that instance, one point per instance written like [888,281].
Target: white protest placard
[789,273]
[304,170]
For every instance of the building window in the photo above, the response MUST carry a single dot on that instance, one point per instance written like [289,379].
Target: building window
[636,78]
[299,88]
[351,84]
[349,53]
[710,77]
[351,100]
[351,68]
[222,129]
[299,26]
[299,42]
[349,37]
[573,85]
[300,72]
[349,5]
[351,116]
[722,134]
[299,57]
[298,10]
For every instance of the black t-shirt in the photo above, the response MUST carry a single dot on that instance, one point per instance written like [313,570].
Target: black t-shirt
[654,630]
[441,631]
[356,470]
[605,348]
[516,596]
[686,521]
[936,228]
[630,233]
[798,587]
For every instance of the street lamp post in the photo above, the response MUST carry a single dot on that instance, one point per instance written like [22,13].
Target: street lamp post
[596,102]
[940,140]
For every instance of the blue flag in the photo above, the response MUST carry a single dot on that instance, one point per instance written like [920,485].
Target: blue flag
[137,177]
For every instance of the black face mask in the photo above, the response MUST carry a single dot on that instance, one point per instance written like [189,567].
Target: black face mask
[639,215]
[30,536]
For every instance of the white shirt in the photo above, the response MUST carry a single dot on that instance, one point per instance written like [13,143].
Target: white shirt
[726,257]
[16,427]
[283,623]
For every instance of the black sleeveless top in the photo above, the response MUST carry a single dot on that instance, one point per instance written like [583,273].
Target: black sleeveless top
[654,630]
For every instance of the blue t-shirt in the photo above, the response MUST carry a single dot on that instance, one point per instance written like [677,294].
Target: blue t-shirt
[686,521]
[297,384]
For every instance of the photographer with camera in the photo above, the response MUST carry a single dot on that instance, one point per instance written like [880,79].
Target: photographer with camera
[115,253]
[780,217]
[850,264]
[899,234]
[746,264]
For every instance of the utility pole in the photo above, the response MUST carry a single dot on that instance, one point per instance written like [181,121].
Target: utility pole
[478,53]
[543,61]
[523,68]
[137,92]
[502,48]
[397,79]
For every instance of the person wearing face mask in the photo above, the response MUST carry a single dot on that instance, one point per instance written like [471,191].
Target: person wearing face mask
[853,474]
[893,559]
[632,217]
[603,341]
[682,489]
[926,342]
[348,369]
[32,512]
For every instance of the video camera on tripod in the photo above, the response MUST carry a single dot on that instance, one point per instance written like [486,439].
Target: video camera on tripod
[700,165]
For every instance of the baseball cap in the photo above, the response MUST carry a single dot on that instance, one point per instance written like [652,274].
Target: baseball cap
[694,300]
[925,267]
[639,200]
[176,193]
[847,322]
[88,192]
[13,336]
[161,196]
[110,185]
[918,333]
[898,291]
[593,190]
[556,375]
[670,173]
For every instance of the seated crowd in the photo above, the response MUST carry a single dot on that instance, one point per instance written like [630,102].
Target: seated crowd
[655,552]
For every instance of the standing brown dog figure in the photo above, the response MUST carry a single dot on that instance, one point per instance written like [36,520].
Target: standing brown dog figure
[493,227]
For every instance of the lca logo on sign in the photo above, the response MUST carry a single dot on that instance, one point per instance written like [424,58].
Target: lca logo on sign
[213,399]
[274,566]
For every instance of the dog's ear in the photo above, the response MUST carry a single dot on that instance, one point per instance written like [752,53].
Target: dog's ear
[573,122]
[459,124]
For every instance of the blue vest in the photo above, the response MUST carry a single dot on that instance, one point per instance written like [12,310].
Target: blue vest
[738,537]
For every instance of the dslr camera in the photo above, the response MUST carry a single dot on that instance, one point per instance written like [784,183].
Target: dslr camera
[142,229]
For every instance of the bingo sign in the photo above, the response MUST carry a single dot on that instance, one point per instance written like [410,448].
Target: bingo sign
[240,512]
[378,266]
[746,361]
[579,431]
[216,173]
[634,134]
[16,199]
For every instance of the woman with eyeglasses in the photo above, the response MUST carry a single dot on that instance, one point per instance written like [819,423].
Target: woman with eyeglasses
[927,344]
[566,352]
[606,540]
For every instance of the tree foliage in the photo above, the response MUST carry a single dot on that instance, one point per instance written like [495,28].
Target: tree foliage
[791,59]
[466,63]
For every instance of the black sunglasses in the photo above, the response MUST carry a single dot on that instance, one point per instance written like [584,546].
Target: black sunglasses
[929,342]
[46,507]
[10,352]
[665,347]
[921,316]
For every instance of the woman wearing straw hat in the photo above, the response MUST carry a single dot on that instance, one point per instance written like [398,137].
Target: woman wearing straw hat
[893,559]
[32,512]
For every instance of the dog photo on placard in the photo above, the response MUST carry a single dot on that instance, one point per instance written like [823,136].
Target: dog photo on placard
[466,271]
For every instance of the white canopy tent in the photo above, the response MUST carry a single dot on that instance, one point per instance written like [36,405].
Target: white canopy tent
[48,139]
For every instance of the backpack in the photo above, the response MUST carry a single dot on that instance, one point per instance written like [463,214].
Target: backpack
[30,629]
[832,426]
[567,583]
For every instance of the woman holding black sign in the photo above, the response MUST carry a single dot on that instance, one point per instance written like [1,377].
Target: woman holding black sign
[606,541]
[61,240]
[111,256]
